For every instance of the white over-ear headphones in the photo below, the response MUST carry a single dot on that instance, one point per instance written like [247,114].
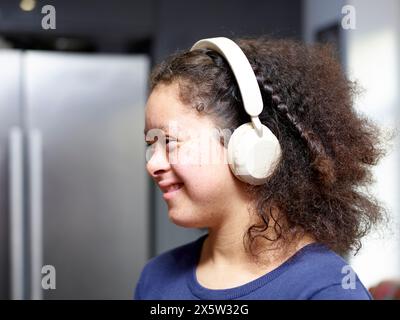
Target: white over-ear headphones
[253,150]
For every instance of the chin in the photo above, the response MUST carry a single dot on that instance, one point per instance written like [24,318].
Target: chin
[184,220]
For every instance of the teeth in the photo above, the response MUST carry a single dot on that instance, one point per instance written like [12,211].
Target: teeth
[174,187]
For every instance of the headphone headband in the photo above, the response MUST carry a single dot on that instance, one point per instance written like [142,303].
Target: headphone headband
[244,74]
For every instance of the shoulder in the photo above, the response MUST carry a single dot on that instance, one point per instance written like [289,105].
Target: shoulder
[326,275]
[168,266]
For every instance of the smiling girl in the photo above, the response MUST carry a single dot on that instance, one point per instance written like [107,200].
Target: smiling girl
[280,237]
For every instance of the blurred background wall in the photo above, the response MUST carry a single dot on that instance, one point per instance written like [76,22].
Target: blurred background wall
[150,30]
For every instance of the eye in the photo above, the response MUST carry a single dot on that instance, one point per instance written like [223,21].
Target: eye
[148,145]
[170,142]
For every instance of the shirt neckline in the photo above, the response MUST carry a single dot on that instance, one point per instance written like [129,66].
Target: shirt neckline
[235,292]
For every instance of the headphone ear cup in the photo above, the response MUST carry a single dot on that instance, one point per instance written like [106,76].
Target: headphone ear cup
[252,159]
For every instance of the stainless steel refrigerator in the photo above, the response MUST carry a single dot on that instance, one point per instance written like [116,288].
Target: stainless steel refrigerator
[73,187]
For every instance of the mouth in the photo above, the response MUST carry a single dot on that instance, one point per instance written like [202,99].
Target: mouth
[172,190]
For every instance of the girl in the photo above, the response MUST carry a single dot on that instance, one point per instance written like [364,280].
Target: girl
[284,238]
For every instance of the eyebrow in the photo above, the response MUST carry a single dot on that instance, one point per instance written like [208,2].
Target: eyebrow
[163,128]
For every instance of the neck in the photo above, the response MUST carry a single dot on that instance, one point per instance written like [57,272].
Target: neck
[224,246]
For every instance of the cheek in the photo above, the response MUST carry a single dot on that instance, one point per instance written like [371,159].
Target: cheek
[203,168]
[205,152]
[205,181]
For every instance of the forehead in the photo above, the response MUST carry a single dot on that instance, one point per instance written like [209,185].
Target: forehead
[164,110]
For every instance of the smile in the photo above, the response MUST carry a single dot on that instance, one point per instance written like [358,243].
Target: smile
[172,191]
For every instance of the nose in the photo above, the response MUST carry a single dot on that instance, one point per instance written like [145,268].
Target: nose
[158,162]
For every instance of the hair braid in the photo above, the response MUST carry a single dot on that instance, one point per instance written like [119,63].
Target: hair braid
[320,161]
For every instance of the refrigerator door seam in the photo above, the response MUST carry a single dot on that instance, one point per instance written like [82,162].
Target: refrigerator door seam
[16,187]
[36,212]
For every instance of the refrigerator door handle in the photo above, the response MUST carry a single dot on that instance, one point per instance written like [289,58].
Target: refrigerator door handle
[35,212]
[16,222]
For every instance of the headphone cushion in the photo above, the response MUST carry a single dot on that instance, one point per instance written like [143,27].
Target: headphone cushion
[252,159]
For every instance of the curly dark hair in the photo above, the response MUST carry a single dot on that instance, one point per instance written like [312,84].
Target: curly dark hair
[327,147]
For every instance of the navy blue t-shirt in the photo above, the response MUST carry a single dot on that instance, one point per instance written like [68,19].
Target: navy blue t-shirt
[313,272]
